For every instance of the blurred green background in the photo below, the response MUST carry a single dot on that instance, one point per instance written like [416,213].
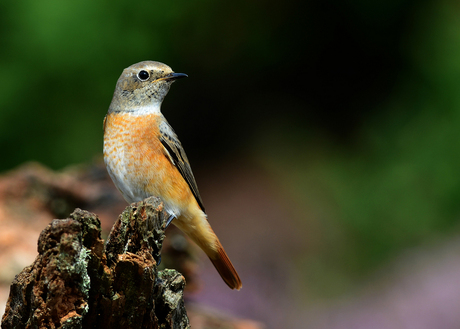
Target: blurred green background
[352,107]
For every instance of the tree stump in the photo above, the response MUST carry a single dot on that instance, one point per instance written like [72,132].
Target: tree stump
[77,282]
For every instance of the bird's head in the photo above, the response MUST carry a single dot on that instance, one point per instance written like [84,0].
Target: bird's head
[142,87]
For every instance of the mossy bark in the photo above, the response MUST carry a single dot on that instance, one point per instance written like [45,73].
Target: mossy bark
[77,282]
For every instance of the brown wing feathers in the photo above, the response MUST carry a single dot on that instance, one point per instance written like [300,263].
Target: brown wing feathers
[176,155]
[180,161]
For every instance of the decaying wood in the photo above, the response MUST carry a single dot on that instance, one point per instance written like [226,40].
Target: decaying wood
[77,282]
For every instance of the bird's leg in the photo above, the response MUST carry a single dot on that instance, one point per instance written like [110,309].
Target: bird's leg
[170,219]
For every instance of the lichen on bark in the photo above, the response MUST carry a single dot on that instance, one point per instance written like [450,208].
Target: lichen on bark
[77,282]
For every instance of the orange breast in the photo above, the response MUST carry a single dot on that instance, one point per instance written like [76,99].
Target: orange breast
[137,163]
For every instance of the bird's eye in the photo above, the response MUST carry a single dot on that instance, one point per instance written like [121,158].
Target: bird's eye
[143,75]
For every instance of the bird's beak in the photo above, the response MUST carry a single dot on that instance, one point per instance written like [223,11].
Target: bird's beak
[174,76]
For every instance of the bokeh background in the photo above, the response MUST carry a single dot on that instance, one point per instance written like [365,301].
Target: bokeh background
[324,136]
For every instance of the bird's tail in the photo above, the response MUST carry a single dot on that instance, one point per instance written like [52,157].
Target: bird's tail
[198,229]
[224,266]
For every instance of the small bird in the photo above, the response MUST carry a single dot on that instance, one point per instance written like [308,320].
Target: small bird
[145,158]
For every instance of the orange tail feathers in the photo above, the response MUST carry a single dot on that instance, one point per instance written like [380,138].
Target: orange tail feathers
[225,268]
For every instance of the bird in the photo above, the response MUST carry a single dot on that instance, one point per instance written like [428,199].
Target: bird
[144,158]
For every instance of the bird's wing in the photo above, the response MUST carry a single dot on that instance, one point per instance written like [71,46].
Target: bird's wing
[176,154]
